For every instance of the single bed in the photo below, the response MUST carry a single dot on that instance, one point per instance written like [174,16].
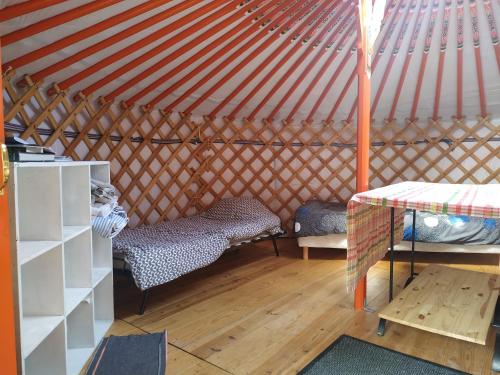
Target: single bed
[159,253]
[323,224]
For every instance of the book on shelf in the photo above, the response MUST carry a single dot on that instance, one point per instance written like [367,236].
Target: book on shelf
[23,151]
[27,156]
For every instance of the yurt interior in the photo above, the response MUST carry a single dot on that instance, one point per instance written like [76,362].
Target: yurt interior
[249,187]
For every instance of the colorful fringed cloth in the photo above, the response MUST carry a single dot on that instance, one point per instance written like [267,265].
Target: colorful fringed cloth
[368,216]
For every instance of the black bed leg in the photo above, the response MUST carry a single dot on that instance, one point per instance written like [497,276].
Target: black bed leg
[143,302]
[275,247]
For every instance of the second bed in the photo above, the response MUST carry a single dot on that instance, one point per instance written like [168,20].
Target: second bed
[323,225]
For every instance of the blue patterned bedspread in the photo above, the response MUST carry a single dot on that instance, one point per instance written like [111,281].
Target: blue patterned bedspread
[316,218]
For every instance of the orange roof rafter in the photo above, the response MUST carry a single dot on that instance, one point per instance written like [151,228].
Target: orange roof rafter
[287,57]
[268,20]
[460,56]
[84,34]
[442,55]
[305,72]
[151,38]
[165,45]
[342,95]
[274,60]
[348,33]
[409,54]
[331,81]
[423,60]
[292,69]
[241,28]
[314,27]
[490,15]
[26,7]
[390,6]
[107,42]
[477,56]
[395,51]
[56,20]
[380,51]
[295,12]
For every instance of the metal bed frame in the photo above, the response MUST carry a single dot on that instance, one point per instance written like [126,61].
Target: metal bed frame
[145,293]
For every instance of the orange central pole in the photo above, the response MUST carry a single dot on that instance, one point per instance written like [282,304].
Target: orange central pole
[363,126]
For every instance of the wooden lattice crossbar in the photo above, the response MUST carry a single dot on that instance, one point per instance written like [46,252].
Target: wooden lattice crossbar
[170,165]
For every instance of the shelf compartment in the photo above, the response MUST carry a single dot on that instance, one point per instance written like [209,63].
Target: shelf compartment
[28,250]
[76,359]
[42,284]
[35,329]
[80,335]
[50,356]
[78,261]
[100,171]
[38,203]
[98,274]
[71,231]
[76,195]
[101,251]
[73,296]
[103,307]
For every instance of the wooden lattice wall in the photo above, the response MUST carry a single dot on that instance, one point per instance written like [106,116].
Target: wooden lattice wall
[171,165]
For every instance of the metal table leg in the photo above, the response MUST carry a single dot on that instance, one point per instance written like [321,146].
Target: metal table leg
[412,254]
[495,363]
[382,322]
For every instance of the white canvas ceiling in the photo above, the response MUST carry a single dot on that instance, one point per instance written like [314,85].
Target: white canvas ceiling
[290,61]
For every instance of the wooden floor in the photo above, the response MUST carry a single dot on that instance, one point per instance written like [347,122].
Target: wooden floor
[254,313]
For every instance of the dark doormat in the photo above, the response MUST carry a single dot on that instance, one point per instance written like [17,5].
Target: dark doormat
[351,356]
[130,355]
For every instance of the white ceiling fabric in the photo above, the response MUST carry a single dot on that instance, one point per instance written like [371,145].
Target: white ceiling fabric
[448,98]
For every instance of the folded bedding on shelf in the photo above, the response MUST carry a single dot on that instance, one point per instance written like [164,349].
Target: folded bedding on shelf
[165,251]
[316,218]
[108,218]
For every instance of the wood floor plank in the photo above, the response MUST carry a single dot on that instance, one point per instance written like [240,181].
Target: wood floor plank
[215,314]
[178,361]
[252,313]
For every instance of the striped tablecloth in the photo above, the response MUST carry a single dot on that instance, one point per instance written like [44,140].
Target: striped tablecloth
[368,216]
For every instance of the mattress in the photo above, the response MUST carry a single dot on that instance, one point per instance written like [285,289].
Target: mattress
[452,229]
[156,254]
[317,218]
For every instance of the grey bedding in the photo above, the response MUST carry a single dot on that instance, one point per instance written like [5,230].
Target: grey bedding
[316,218]
[452,229]
[163,252]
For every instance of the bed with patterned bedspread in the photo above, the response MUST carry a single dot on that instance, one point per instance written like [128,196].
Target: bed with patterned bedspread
[323,225]
[316,218]
[159,253]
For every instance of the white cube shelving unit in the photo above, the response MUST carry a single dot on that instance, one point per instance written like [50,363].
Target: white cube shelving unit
[64,269]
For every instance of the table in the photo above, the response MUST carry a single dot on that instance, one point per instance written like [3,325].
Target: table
[376,216]
[375,222]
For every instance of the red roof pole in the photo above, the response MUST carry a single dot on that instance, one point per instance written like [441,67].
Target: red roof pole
[363,129]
